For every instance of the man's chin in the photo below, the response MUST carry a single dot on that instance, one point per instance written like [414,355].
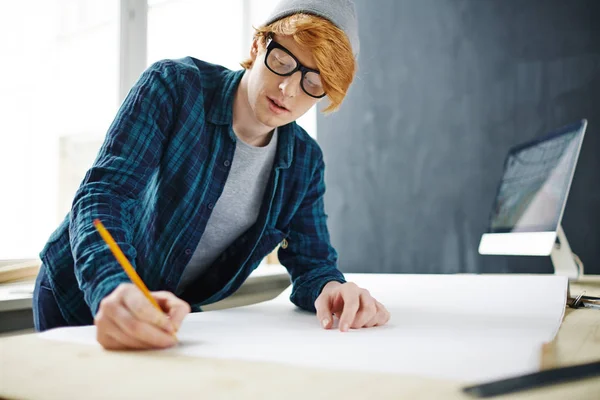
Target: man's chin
[273,122]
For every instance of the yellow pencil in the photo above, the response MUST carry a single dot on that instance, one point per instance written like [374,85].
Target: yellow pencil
[116,250]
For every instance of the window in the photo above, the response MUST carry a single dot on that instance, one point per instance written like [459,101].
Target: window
[61,65]
[210,31]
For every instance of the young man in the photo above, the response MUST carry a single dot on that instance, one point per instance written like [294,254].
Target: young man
[203,173]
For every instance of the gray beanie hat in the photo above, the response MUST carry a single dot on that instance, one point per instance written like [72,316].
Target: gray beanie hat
[340,12]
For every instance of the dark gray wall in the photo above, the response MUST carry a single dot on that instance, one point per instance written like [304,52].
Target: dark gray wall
[444,88]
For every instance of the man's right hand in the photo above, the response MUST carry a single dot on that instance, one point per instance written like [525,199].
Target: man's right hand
[127,320]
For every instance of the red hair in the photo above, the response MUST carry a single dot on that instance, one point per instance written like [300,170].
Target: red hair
[329,46]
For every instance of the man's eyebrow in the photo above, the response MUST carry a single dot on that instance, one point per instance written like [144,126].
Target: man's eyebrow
[295,56]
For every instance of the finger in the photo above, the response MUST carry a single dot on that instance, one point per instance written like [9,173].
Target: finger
[141,308]
[351,300]
[323,307]
[385,314]
[380,317]
[108,342]
[337,304]
[149,334]
[373,321]
[111,337]
[105,330]
[175,308]
[367,310]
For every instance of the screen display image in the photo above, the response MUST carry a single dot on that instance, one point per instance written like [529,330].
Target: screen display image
[535,183]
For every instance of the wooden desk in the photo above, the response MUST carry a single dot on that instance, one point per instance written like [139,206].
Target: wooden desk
[33,368]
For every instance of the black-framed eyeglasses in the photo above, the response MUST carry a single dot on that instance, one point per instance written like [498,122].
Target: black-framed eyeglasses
[282,62]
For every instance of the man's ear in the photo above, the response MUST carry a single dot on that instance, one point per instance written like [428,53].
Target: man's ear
[254,49]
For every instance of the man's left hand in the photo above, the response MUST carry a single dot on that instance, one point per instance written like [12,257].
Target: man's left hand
[354,306]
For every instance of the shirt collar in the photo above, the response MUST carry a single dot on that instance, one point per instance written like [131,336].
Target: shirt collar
[221,106]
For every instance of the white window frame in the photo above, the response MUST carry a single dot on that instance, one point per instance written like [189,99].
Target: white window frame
[133,38]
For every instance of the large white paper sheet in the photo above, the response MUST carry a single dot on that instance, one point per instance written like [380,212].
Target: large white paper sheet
[459,327]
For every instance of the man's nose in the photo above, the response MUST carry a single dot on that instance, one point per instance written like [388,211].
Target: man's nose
[290,85]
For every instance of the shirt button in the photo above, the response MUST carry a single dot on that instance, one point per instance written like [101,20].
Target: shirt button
[211,206]
[188,251]
[227,163]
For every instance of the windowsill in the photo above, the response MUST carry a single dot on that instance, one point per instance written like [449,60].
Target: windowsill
[18,295]
[5,262]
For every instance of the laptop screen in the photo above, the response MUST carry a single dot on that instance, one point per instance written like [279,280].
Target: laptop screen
[536,182]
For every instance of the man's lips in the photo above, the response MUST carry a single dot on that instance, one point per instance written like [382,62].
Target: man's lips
[278,104]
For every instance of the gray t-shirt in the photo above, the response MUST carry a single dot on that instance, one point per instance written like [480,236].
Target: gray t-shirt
[237,208]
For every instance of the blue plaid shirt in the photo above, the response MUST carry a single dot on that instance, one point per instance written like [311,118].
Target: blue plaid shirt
[158,174]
